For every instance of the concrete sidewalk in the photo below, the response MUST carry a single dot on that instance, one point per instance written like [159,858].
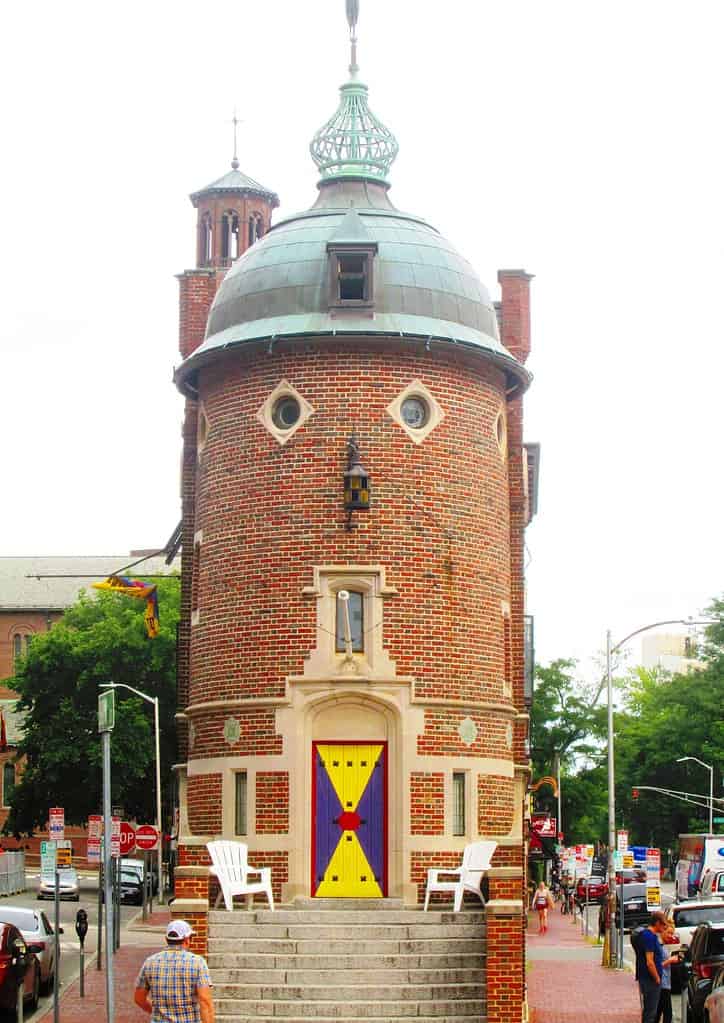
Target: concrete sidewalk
[566,982]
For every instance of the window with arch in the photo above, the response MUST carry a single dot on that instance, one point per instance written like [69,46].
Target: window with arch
[256,227]
[21,645]
[205,240]
[368,591]
[355,607]
[230,236]
[8,782]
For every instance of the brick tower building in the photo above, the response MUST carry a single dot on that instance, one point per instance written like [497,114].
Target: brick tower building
[355,494]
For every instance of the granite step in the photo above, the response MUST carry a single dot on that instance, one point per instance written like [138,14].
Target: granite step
[270,946]
[363,1010]
[343,961]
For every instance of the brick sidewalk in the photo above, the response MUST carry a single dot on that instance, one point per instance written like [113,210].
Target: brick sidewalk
[127,962]
[566,982]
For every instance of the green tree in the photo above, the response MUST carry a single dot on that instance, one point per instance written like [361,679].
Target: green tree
[99,639]
[568,725]
[666,717]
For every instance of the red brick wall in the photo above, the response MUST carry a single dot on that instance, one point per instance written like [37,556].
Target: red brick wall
[441,736]
[204,804]
[495,804]
[505,969]
[27,623]
[272,802]
[268,513]
[427,804]
[258,733]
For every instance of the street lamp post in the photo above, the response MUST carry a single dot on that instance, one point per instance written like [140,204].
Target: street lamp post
[610,651]
[154,701]
[710,769]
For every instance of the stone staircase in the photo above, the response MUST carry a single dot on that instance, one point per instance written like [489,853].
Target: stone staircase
[347,960]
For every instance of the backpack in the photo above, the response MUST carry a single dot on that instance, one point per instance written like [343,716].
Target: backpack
[636,934]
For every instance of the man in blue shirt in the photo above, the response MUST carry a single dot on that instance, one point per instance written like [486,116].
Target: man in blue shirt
[649,963]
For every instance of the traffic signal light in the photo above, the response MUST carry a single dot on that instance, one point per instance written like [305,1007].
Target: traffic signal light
[634,794]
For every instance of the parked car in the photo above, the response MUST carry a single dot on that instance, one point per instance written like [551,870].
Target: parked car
[36,930]
[635,909]
[137,867]
[13,950]
[68,887]
[714,1004]
[706,956]
[712,885]
[630,875]
[597,889]
[686,916]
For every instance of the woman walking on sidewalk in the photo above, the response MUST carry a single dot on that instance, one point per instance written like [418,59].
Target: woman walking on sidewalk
[542,901]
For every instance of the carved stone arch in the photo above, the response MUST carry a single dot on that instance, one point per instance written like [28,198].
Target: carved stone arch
[351,713]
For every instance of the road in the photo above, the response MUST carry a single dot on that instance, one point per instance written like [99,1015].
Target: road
[69,944]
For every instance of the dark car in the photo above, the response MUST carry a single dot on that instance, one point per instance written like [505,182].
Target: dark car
[131,887]
[635,911]
[14,953]
[706,955]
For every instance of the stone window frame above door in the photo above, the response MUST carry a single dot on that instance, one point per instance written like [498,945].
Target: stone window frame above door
[324,660]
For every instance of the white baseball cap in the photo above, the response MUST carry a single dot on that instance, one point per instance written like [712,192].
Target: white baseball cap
[179,930]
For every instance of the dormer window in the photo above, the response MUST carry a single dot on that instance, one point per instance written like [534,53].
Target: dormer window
[351,277]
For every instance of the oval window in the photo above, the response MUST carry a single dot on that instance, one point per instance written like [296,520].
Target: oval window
[415,412]
[286,412]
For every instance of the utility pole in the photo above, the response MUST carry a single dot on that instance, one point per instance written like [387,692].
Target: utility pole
[106,721]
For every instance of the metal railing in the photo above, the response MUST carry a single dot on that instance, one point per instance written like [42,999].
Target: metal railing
[12,873]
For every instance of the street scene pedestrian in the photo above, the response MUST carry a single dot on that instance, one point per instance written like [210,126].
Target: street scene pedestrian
[649,966]
[668,937]
[542,902]
[174,985]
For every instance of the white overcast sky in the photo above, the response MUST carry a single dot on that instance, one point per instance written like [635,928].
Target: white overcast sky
[580,140]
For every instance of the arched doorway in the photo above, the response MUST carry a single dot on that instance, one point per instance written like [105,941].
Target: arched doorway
[354,803]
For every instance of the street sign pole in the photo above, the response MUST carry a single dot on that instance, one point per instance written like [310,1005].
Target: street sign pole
[106,720]
[56,942]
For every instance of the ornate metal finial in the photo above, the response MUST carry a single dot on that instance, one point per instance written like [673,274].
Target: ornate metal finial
[354,143]
[236,122]
[353,18]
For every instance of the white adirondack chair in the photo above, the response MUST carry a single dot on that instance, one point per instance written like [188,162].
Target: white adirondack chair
[468,876]
[230,865]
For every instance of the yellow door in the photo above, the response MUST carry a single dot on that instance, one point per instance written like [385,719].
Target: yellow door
[349,828]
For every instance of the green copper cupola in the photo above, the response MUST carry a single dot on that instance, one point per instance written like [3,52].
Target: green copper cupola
[354,143]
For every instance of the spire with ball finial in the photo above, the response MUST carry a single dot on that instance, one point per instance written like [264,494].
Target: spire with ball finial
[354,143]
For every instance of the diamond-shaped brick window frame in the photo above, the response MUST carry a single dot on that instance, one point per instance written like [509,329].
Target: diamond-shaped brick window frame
[283,390]
[435,413]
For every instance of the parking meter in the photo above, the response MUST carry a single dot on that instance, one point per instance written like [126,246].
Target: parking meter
[81,925]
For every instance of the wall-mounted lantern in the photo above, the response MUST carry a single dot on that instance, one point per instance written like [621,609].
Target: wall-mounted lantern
[356,482]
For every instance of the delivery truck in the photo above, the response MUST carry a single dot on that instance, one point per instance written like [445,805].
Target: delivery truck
[697,853]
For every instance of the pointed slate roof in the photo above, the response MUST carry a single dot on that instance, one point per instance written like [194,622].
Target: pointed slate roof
[235,182]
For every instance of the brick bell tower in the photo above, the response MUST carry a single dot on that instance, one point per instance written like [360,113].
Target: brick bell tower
[352,691]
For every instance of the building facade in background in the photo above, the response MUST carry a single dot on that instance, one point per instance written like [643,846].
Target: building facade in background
[356,487]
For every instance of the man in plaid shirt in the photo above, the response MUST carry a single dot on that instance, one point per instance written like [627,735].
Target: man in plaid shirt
[174,985]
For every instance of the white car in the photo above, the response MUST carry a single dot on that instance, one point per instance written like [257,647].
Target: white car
[714,1004]
[68,887]
[36,930]
[687,916]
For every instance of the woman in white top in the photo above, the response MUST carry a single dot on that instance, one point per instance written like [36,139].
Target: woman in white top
[542,900]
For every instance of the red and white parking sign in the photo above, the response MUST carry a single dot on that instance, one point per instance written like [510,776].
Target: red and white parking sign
[56,824]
